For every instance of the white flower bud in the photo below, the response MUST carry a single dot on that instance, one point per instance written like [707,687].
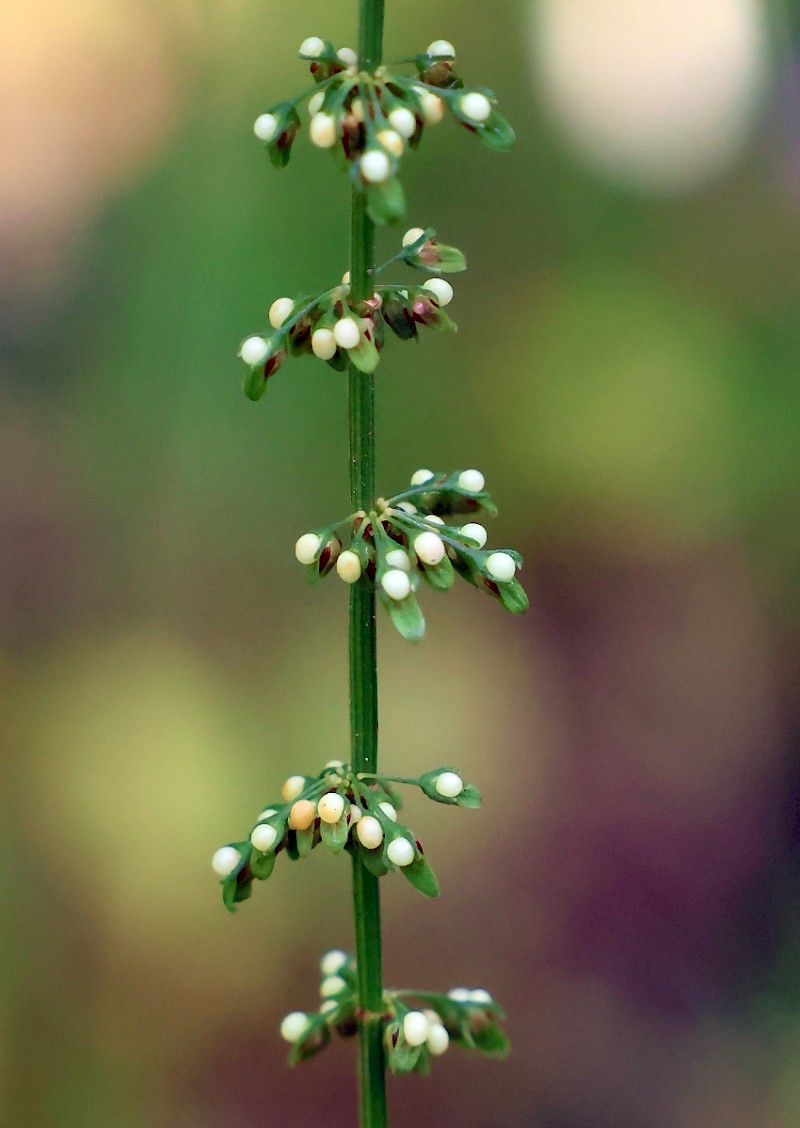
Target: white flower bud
[315,102]
[404,121]
[476,532]
[333,961]
[330,1006]
[369,832]
[459,995]
[225,860]
[432,519]
[347,333]
[348,56]
[449,784]
[307,548]
[420,477]
[406,507]
[355,813]
[412,235]
[389,810]
[331,807]
[400,851]
[471,480]
[265,126]
[346,278]
[263,837]
[438,1039]
[293,787]
[480,996]
[302,814]
[267,813]
[332,985]
[429,547]
[323,343]
[441,49]
[392,141]
[280,309]
[254,350]
[335,764]
[431,105]
[375,167]
[396,584]
[357,109]
[475,106]
[500,566]
[415,1028]
[348,566]
[294,1026]
[398,558]
[322,131]
[312,47]
[441,290]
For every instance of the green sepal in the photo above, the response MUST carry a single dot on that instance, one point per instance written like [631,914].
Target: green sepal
[305,841]
[338,361]
[421,876]
[238,887]
[290,846]
[404,1058]
[406,616]
[364,356]
[397,317]
[490,1039]
[261,865]
[334,835]
[280,155]
[255,382]
[386,202]
[373,861]
[451,260]
[496,133]
[440,576]
[512,595]
[470,797]
[317,1038]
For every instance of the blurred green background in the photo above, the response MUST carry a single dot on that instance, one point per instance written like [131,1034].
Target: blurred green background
[626,376]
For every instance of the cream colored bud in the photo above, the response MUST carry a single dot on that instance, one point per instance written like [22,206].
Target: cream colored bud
[375,166]
[441,290]
[449,784]
[225,860]
[254,350]
[429,547]
[348,566]
[280,309]
[348,56]
[404,121]
[476,532]
[501,566]
[331,807]
[400,852]
[412,235]
[396,584]
[302,814]
[438,1039]
[307,548]
[323,344]
[431,105]
[332,985]
[392,141]
[264,837]
[333,961]
[265,127]
[293,787]
[312,47]
[294,1026]
[322,131]
[475,106]
[315,102]
[398,558]
[415,1028]
[369,832]
[471,480]
[389,810]
[441,49]
[420,477]
[347,333]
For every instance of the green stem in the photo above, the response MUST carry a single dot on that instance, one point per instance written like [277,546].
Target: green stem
[363,648]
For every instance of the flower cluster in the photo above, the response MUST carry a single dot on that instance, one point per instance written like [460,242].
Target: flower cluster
[418,1025]
[369,120]
[408,538]
[344,810]
[336,329]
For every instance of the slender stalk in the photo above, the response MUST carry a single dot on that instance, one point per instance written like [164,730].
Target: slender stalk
[363,647]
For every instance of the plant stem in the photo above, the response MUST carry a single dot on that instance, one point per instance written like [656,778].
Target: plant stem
[363,643]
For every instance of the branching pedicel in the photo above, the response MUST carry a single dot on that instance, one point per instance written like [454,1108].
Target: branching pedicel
[367,115]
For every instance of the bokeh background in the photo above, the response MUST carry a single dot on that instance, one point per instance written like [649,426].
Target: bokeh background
[626,376]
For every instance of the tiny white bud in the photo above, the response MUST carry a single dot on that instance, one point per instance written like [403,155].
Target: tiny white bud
[347,333]
[406,506]
[429,547]
[307,548]
[263,837]
[346,278]
[431,105]
[323,343]
[475,106]
[265,126]
[348,566]
[225,860]
[396,584]
[420,477]
[312,47]
[322,131]
[438,1039]
[471,480]
[441,289]
[348,56]
[415,1028]
[294,1026]
[392,141]
[432,518]
[480,996]
[441,49]
[267,813]
[331,807]
[293,787]
[355,813]
[369,831]
[375,167]
[459,995]
[254,350]
[329,1006]
[404,121]
[400,851]
[357,109]
[389,810]
[397,558]
[335,764]
[500,566]
[332,985]
[449,784]
[412,235]
[280,310]
[302,814]
[333,961]
[315,102]
[476,532]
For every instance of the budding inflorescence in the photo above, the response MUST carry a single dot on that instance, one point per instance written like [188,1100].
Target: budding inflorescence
[347,811]
[408,538]
[370,120]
